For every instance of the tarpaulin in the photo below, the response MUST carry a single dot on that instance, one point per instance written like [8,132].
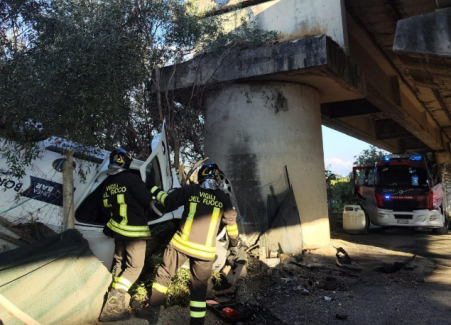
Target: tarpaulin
[285,232]
[55,281]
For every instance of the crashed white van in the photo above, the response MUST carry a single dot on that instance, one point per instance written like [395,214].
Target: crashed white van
[38,195]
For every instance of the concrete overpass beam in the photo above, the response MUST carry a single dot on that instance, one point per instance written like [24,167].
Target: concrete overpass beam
[389,129]
[361,127]
[412,144]
[293,19]
[442,157]
[428,34]
[443,3]
[253,131]
[386,89]
[349,108]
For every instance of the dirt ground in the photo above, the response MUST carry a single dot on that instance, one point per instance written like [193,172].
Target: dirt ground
[313,289]
[420,293]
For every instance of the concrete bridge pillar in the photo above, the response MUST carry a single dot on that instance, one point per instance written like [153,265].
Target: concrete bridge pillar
[252,132]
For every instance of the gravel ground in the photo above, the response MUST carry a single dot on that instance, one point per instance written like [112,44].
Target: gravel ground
[175,315]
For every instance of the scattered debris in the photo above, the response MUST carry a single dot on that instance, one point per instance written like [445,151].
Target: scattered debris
[301,288]
[344,260]
[315,288]
[272,262]
[342,256]
[230,312]
[331,283]
[225,307]
[341,317]
[395,267]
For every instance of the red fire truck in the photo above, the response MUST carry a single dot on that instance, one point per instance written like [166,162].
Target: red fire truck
[401,190]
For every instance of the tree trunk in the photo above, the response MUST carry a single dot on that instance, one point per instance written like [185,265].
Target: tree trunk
[68,191]
[158,92]
[176,152]
[22,234]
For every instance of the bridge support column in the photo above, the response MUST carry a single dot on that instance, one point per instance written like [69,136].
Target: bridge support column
[252,132]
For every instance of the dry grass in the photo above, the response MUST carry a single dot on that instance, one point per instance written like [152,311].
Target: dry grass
[312,30]
[178,291]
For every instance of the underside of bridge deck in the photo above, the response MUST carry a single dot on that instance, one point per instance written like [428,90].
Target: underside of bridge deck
[348,78]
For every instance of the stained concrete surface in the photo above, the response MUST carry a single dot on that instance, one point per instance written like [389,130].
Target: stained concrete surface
[259,133]
[428,34]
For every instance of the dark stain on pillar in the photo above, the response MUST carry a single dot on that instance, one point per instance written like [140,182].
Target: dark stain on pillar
[242,171]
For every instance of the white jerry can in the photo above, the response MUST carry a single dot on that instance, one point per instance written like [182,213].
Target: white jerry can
[354,220]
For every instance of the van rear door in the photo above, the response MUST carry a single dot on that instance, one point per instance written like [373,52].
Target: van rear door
[156,170]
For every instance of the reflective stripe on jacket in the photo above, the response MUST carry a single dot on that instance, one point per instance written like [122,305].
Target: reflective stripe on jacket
[125,198]
[204,209]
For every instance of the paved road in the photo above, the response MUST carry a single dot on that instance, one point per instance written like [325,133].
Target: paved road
[437,248]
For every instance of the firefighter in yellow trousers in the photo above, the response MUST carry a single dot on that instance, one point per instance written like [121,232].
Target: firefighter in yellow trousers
[205,206]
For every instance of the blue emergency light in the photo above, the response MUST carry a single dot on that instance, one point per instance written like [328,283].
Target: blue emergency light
[387,158]
[387,197]
[416,157]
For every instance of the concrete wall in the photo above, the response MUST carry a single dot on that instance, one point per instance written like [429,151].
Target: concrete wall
[253,131]
[294,19]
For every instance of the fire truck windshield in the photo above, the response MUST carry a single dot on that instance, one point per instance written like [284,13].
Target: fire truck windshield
[395,176]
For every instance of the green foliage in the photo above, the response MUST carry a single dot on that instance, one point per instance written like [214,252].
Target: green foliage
[370,156]
[87,70]
[329,176]
[340,194]
[18,155]
[74,74]
[339,191]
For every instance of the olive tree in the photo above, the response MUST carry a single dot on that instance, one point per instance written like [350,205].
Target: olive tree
[89,71]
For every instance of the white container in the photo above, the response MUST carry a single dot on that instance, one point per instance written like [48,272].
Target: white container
[354,220]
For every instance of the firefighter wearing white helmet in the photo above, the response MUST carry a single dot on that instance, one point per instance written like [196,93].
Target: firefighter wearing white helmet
[124,200]
[205,206]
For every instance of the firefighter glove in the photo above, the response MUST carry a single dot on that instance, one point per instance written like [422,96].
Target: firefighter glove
[235,242]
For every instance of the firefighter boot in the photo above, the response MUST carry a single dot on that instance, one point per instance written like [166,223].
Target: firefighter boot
[114,309]
[150,313]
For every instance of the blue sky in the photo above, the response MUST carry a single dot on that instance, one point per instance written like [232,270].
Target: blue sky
[340,149]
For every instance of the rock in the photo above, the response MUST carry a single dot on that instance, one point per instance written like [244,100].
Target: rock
[299,257]
[242,293]
[341,317]
[331,284]
[272,262]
